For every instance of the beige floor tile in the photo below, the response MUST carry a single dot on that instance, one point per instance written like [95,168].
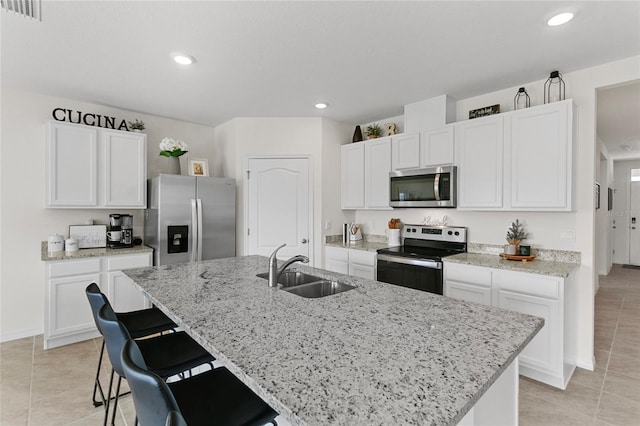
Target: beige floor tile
[602,358]
[622,385]
[623,364]
[535,411]
[592,379]
[626,347]
[618,411]
[628,332]
[62,407]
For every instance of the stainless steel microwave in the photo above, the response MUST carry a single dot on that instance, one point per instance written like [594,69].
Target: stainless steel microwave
[430,187]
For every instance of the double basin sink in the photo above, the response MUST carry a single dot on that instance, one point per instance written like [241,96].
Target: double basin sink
[308,286]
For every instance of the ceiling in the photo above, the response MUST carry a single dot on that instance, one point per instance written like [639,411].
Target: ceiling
[366,59]
[618,122]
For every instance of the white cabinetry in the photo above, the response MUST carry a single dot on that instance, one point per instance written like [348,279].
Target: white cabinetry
[520,160]
[405,151]
[68,317]
[358,263]
[437,147]
[91,167]
[551,356]
[365,174]
[480,145]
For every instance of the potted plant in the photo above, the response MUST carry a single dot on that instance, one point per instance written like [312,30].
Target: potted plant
[374,130]
[136,126]
[516,233]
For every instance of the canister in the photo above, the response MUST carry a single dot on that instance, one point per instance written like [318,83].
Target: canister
[55,244]
[70,245]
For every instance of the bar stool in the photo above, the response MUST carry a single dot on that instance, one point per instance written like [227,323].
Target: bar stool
[167,355]
[214,397]
[140,324]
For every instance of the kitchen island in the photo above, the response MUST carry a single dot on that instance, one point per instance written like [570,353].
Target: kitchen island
[377,354]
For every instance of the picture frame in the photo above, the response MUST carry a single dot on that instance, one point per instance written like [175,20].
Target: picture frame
[198,167]
[597,196]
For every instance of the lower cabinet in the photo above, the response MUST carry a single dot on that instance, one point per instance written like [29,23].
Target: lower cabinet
[68,317]
[551,356]
[358,263]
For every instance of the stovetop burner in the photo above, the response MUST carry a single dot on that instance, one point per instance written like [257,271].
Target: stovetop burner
[429,242]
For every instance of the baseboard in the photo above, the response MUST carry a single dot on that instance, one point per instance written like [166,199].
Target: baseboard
[587,365]
[20,334]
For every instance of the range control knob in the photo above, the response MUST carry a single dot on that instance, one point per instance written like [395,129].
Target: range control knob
[457,233]
[450,233]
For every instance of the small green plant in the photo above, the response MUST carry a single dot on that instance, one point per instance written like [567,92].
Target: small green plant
[136,125]
[516,233]
[374,130]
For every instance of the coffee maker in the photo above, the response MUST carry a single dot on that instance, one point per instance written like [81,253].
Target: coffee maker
[120,232]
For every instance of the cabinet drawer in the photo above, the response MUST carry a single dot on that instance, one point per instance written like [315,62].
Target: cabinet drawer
[535,285]
[366,258]
[120,263]
[74,267]
[337,253]
[467,273]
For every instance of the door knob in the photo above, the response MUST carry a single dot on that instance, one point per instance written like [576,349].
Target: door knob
[304,241]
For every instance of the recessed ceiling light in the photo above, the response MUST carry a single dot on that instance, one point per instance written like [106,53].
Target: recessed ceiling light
[626,147]
[182,58]
[321,105]
[559,19]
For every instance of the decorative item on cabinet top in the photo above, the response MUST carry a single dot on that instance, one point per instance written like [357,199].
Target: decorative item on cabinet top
[522,99]
[136,126]
[484,111]
[198,167]
[357,135]
[554,88]
[374,130]
[171,150]
[390,129]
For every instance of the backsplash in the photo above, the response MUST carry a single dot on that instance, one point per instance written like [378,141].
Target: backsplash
[337,239]
[542,254]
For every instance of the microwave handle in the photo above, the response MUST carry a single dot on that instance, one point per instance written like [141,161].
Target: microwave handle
[436,186]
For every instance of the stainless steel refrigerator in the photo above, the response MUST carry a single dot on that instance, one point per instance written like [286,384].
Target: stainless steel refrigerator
[190,218]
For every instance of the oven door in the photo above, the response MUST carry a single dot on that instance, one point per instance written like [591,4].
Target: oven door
[420,274]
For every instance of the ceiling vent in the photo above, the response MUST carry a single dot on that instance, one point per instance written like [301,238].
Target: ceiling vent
[26,8]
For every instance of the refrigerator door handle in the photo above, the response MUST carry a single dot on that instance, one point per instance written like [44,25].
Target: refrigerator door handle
[199,208]
[194,230]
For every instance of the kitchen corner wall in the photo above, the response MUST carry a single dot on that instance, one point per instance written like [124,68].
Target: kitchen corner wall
[320,139]
[490,227]
[24,222]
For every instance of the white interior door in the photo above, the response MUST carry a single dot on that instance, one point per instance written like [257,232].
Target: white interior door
[634,223]
[279,207]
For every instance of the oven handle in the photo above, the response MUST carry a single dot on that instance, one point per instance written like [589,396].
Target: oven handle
[408,261]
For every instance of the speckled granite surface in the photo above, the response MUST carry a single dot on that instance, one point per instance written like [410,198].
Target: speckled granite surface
[377,354]
[371,242]
[92,252]
[541,267]
[541,254]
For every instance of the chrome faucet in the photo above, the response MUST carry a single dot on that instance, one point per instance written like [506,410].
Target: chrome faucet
[274,273]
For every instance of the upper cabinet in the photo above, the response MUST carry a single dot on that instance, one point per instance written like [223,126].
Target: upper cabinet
[405,151]
[437,147]
[365,174]
[520,160]
[92,167]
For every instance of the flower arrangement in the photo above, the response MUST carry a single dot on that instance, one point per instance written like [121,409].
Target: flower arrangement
[172,148]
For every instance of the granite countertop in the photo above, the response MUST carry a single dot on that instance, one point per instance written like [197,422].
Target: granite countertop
[377,354]
[90,252]
[537,266]
[359,245]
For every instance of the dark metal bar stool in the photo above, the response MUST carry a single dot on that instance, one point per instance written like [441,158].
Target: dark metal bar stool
[140,324]
[166,355]
[214,397]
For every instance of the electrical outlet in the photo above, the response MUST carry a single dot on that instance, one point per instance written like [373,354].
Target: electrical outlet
[568,235]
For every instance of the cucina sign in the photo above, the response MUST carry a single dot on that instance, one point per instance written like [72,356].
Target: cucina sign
[88,119]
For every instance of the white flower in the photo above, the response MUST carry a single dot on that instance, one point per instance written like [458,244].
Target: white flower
[169,144]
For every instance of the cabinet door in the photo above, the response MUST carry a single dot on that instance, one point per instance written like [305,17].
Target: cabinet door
[467,291]
[337,259]
[480,145]
[124,295]
[539,157]
[544,351]
[125,172]
[353,176]
[377,166]
[436,147]
[405,152]
[72,165]
[68,311]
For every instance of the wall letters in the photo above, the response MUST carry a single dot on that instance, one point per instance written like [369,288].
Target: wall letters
[96,120]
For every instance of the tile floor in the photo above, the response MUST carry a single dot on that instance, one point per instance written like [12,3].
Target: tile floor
[39,387]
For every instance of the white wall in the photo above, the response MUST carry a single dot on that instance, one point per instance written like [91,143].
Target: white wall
[244,137]
[604,220]
[25,222]
[620,213]
[486,227]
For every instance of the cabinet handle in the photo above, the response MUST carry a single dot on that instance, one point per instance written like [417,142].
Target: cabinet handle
[304,241]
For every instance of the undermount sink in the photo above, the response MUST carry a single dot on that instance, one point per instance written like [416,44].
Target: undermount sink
[308,286]
[319,289]
[292,278]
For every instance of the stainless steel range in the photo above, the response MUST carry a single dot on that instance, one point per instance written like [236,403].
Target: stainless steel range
[417,263]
